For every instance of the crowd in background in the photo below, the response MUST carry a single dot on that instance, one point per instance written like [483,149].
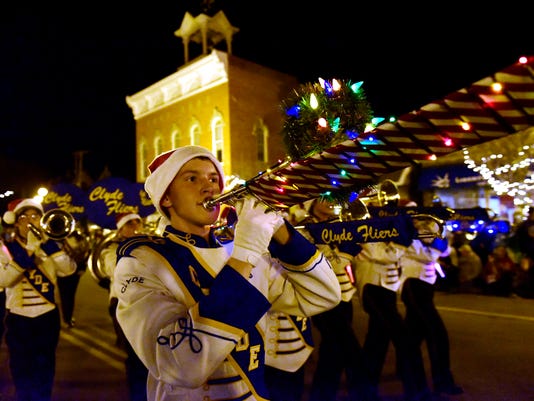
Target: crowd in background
[492,264]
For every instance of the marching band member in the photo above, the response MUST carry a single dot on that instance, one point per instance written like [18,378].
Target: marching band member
[29,267]
[378,279]
[288,339]
[194,311]
[128,225]
[419,265]
[339,348]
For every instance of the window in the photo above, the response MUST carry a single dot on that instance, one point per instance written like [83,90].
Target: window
[195,134]
[143,162]
[260,131]
[157,146]
[176,137]
[217,137]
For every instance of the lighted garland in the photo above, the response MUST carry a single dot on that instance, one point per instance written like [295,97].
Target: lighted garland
[323,114]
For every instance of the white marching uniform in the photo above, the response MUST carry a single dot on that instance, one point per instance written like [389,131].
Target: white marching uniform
[174,296]
[419,261]
[378,263]
[30,282]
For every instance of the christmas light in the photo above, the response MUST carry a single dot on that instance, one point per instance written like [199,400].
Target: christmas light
[496,87]
[336,85]
[507,173]
[323,114]
[313,101]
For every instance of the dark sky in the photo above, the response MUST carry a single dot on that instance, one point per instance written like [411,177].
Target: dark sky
[65,71]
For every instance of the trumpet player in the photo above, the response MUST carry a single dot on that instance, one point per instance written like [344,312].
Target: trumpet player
[340,351]
[377,273]
[29,267]
[194,310]
[420,266]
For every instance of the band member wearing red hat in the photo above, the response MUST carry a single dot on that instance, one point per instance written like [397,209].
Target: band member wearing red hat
[194,310]
[29,267]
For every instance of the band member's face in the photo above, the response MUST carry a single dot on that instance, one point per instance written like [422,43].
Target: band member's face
[323,210]
[131,228]
[197,181]
[27,217]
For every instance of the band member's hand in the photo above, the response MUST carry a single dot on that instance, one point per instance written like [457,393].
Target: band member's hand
[254,229]
[33,243]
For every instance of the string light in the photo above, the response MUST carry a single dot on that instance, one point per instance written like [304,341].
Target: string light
[507,173]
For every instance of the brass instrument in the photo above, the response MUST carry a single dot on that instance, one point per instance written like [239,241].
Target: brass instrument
[234,194]
[102,239]
[56,224]
[95,262]
[386,193]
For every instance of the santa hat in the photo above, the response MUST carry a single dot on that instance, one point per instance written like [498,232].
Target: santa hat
[407,203]
[164,168]
[17,206]
[122,218]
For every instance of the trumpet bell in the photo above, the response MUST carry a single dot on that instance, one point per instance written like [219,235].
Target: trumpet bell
[386,193]
[355,210]
[58,224]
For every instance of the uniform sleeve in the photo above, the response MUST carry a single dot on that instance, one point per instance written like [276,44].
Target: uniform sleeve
[304,284]
[109,260]
[10,272]
[65,265]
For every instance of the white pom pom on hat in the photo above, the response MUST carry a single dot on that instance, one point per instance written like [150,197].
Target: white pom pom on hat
[17,206]
[164,168]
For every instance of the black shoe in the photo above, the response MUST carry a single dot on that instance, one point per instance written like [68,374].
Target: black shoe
[452,389]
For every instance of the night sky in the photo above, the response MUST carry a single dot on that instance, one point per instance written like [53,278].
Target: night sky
[65,71]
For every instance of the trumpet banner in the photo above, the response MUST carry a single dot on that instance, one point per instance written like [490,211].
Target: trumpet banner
[115,195]
[496,106]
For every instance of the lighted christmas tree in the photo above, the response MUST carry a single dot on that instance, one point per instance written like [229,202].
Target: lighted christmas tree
[323,114]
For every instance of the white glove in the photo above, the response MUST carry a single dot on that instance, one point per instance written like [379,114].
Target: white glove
[33,243]
[255,227]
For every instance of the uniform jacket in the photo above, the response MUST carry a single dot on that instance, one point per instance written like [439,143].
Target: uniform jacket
[198,325]
[419,260]
[288,341]
[31,280]
[378,264]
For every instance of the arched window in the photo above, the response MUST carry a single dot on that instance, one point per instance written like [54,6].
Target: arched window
[158,145]
[217,136]
[176,137]
[194,133]
[261,132]
[143,162]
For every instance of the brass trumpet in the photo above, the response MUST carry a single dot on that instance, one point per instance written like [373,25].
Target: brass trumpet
[385,194]
[236,193]
[56,224]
